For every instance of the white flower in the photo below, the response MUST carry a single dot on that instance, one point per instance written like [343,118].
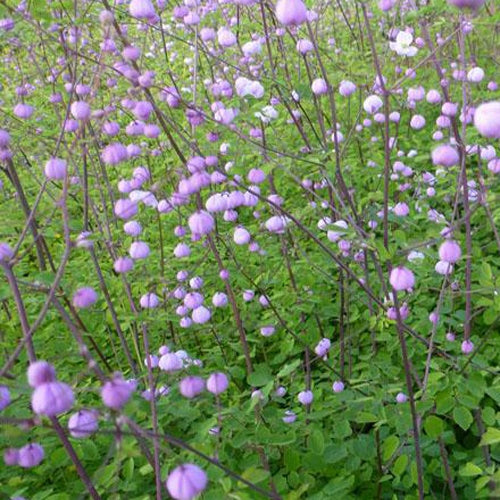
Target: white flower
[245,87]
[268,114]
[402,46]
[415,256]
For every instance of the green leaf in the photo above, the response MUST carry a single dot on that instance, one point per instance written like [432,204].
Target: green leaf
[389,446]
[261,376]
[463,417]
[400,465]
[255,474]
[365,417]
[433,426]
[289,368]
[491,436]
[470,469]
[316,442]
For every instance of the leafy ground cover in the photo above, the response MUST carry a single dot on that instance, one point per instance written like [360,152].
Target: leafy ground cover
[249,249]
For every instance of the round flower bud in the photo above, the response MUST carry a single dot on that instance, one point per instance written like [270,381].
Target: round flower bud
[52,398]
[84,297]
[338,386]
[402,278]
[445,156]
[467,347]
[30,455]
[116,392]
[55,169]
[83,423]
[450,251]
[4,397]
[217,383]
[305,397]
[186,482]
[401,397]
[125,208]
[487,119]
[40,372]
[291,12]
[170,362]
[191,386]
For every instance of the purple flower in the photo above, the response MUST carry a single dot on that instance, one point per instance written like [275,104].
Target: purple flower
[80,110]
[55,169]
[445,155]
[30,455]
[6,252]
[52,398]
[116,392]
[83,423]
[487,119]
[450,251]
[186,482]
[4,397]
[402,278]
[84,297]
[305,397]
[401,397]
[170,362]
[201,223]
[291,12]
[217,383]
[40,372]
[191,386]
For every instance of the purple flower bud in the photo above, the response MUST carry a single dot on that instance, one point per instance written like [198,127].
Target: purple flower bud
[445,155]
[217,383]
[450,337]
[305,397]
[116,392]
[291,12]
[402,278]
[40,372]
[322,347]
[290,417]
[55,169]
[149,301]
[123,265]
[84,297]
[401,397]
[450,251]
[467,347]
[201,315]
[241,236]
[267,331]
[338,386]
[186,482]
[83,423]
[319,86]
[139,250]
[52,398]
[219,299]
[23,111]
[80,110]
[170,362]
[191,386]
[30,455]
[4,397]
[115,153]
[125,208]
[11,456]
[6,252]
[487,119]
[201,223]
